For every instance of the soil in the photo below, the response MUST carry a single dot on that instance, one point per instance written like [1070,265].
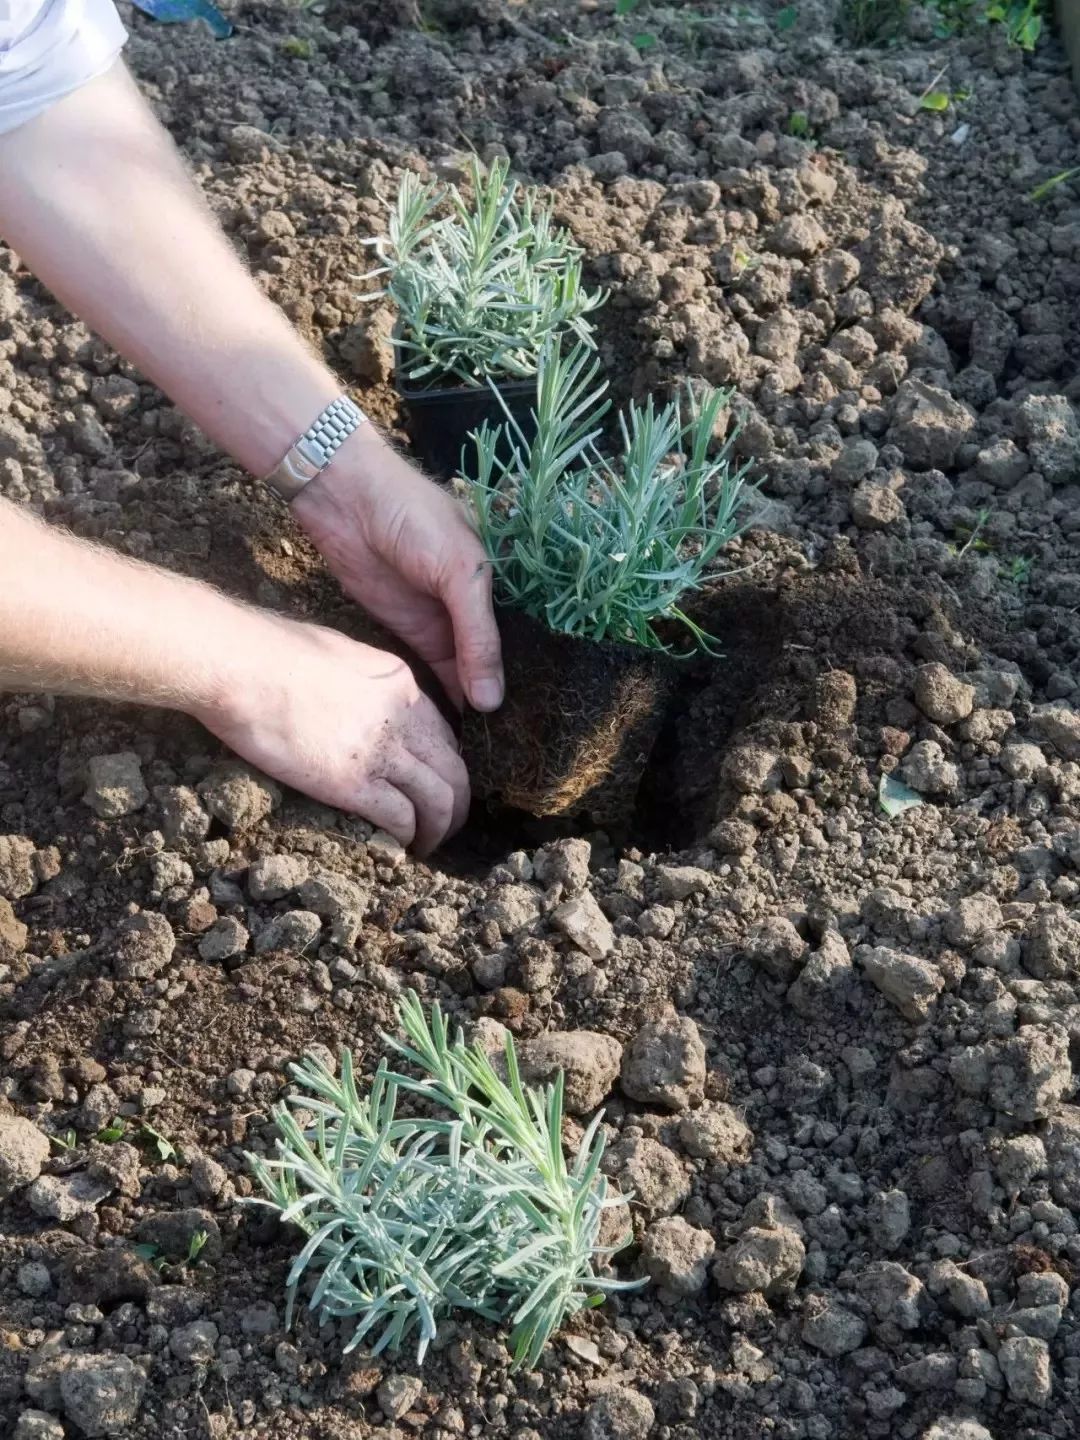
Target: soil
[577,728]
[846,1102]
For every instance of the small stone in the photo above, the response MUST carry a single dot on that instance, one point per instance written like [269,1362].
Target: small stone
[889,1218]
[564,864]
[907,982]
[38,1425]
[296,930]
[855,461]
[950,1428]
[239,1082]
[143,946]
[834,697]
[172,1231]
[1001,463]
[1018,1161]
[23,1152]
[101,1394]
[767,1260]
[1042,1321]
[589,1062]
[893,1293]
[115,785]
[716,1132]
[1058,726]
[941,696]
[98,1108]
[239,797]
[824,983]
[1051,946]
[33,1279]
[657,922]
[876,507]
[619,1414]
[386,850]
[275,876]
[512,907]
[183,819]
[676,1255]
[833,1330]
[334,896]
[664,1064]
[752,769]
[194,1344]
[13,932]
[584,924]
[1042,1288]
[926,770]
[1025,1363]
[225,939]
[1022,760]
[208,1177]
[975,919]
[797,236]
[1031,1073]
[776,946]
[733,837]
[18,876]
[966,1294]
[398,1394]
[928,425]
[66,1197]
[679,882]
[651,1173]
[1049,427]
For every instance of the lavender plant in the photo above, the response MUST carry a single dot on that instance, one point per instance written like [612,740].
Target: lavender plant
[470,1205]
[480,285]
[598,547]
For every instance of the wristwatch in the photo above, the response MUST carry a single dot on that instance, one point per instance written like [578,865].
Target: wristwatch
[315,449]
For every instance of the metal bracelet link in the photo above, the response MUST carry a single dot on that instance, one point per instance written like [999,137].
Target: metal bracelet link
[315,448]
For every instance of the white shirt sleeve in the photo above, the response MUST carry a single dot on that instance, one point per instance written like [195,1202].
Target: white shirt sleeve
[48,48]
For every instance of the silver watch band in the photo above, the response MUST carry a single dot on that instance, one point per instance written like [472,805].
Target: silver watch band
[315,448]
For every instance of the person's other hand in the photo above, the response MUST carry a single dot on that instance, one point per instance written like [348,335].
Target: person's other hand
[345,723]
[403,548]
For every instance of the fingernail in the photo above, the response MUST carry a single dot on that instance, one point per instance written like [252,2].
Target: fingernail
[486,694]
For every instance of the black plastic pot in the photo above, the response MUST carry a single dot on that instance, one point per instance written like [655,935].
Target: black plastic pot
[440,419]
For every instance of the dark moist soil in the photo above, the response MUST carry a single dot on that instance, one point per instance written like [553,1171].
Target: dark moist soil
[888,1003]
[577,728]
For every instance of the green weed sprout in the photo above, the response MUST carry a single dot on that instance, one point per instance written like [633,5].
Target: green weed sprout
[482,289]
[599,548]
[471,1206]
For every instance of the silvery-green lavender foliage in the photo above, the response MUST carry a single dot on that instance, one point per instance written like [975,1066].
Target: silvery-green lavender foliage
[470,1205]
[482,288]
[597,547]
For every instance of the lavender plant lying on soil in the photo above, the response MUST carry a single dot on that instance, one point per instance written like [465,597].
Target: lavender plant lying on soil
[597,547]
[471,1206]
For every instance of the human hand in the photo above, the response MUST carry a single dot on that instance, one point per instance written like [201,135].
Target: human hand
[403,548]
[344,723]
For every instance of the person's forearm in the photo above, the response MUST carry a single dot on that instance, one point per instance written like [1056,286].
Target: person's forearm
[95,199]
[77,619]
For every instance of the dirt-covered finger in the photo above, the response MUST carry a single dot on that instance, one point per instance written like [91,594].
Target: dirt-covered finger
[432,799]
[388,808]
[446,761]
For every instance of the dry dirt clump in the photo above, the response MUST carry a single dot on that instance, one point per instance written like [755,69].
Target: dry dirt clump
[835,1045]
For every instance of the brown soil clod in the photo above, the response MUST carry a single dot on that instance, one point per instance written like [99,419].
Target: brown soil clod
[577,727]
